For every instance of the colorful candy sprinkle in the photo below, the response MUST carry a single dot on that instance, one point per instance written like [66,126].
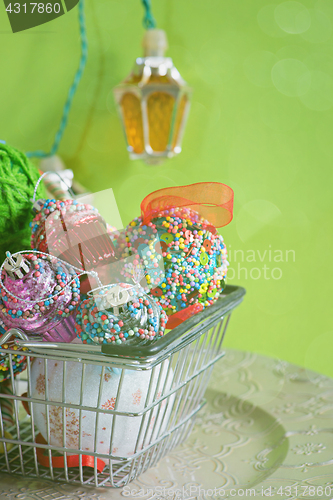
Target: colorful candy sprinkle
[193,254]
[118,314]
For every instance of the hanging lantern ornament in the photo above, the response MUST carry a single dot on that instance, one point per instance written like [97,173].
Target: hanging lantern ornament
[153,101]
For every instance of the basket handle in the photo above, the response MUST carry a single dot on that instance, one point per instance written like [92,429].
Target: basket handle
[13,331]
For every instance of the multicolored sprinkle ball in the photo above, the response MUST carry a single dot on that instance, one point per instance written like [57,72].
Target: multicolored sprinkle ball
[139,251]
[120,313]
[18,361]
[194,257]
[41,299]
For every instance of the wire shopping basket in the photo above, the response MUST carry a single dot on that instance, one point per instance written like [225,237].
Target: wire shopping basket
[102,415]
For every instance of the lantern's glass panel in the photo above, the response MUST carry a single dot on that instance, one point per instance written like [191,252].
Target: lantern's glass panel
[155,78]
[159,110]
[179,120]
[131,108]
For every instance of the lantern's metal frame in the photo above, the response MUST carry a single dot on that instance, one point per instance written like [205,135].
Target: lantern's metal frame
[162,66]
[188,353]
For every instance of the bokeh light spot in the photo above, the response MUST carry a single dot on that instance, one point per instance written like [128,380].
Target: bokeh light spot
[292,17]
[266,21]
[291,77]
[320,29]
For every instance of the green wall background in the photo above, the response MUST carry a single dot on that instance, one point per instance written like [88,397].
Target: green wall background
[261,121]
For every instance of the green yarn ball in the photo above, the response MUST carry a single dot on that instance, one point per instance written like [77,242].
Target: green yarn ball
[18,177]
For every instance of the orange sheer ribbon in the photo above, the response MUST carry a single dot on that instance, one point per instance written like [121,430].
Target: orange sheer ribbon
[72,460]
[212,200]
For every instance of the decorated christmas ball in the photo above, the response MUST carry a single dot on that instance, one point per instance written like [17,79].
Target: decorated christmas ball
[194,258]
[38,292]
[108,271]
[63,331]
[72,231]
[18,362]
[120,313]
[18,177]
[132,399]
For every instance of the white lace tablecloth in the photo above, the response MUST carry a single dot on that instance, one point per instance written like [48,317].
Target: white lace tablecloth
[266,431]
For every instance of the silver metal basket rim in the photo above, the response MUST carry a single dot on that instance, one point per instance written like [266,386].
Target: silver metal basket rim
[137,357]
[184,333]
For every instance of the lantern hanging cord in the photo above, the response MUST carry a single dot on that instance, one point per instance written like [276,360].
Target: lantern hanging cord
[72,90]
[148,20]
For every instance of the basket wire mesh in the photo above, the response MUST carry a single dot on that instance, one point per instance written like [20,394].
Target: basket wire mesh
[174,380]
